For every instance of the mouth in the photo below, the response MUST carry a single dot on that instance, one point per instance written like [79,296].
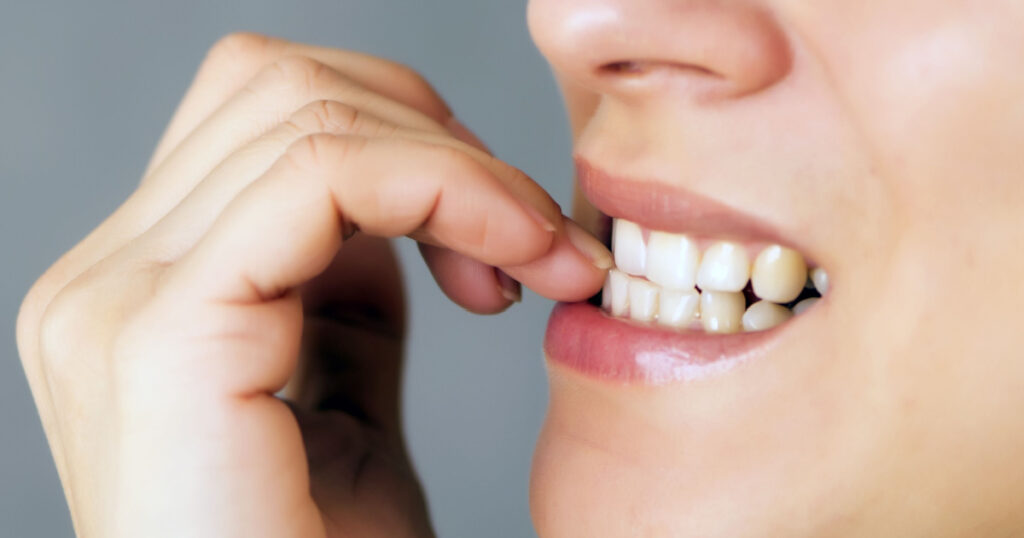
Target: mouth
[698,287]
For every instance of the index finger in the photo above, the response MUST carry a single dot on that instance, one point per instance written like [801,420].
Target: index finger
[285,228]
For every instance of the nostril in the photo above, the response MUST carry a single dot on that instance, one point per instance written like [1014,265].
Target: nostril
[623,68]
[637,68]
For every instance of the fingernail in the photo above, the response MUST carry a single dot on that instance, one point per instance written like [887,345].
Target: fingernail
[510,289]
[460,131]
[588,246]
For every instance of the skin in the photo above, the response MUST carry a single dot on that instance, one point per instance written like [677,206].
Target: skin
[881,138]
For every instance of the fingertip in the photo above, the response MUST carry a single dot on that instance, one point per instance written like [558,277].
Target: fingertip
[566,273]
[589,246]
[510,288]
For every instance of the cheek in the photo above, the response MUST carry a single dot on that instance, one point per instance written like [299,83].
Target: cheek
[936,91]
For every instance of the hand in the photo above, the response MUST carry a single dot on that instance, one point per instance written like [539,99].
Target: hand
[156,346]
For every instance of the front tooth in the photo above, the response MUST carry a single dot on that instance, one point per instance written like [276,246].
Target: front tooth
[643,300]
[764,315]
[672,260]
[725,267]
[721,311]
[820,279]
[802,306]
[628,246]
[779,274]
[678,308]
[617,290]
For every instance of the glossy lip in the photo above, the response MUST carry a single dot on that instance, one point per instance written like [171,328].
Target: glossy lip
[660,206]
[583,338]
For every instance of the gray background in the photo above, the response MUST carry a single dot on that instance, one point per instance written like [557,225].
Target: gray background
[87,88]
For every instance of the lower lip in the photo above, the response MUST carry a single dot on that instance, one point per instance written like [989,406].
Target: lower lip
[585,339]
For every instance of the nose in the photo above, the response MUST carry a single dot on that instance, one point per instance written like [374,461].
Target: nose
[702,49]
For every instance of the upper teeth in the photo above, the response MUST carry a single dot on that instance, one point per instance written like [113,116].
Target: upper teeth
[673,265]
[725,267]
[779,274]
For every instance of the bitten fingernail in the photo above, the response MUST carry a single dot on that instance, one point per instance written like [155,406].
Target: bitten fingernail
[588,246]
[509,287]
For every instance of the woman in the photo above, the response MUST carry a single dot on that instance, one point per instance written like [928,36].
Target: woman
[740,147]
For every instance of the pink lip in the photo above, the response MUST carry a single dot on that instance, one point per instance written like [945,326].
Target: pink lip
[660,206]
[585,339]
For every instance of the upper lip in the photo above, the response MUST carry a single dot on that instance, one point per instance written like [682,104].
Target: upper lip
[659,205]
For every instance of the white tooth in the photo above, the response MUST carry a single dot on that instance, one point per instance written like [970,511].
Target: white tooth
[628,246]
[618,285]
[643,300]
[725,267]
[678,308]
[721,311]
[764,315]
[779,274]
[820,279]
[802,306]
[672,260]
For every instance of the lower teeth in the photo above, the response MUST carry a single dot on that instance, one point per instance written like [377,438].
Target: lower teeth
[637,299]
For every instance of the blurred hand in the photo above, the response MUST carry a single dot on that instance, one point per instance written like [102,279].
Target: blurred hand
[156,346]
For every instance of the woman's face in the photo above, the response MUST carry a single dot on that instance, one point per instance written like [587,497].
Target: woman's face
[883,140]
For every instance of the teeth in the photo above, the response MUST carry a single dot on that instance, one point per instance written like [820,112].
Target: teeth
[616,293]
[802,306]
[628,246]
[665,279]
[725,267]
[764,315]
[721,311]
[672,260]
[820,279]
[678,308]
[643,300]
[779,274]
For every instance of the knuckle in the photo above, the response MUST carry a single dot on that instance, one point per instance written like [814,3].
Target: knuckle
[298,74]
[331,116]
[60,325]
[77,325]
[30,313]
[239,47]
[314,151]
[307,152]
[35,305]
